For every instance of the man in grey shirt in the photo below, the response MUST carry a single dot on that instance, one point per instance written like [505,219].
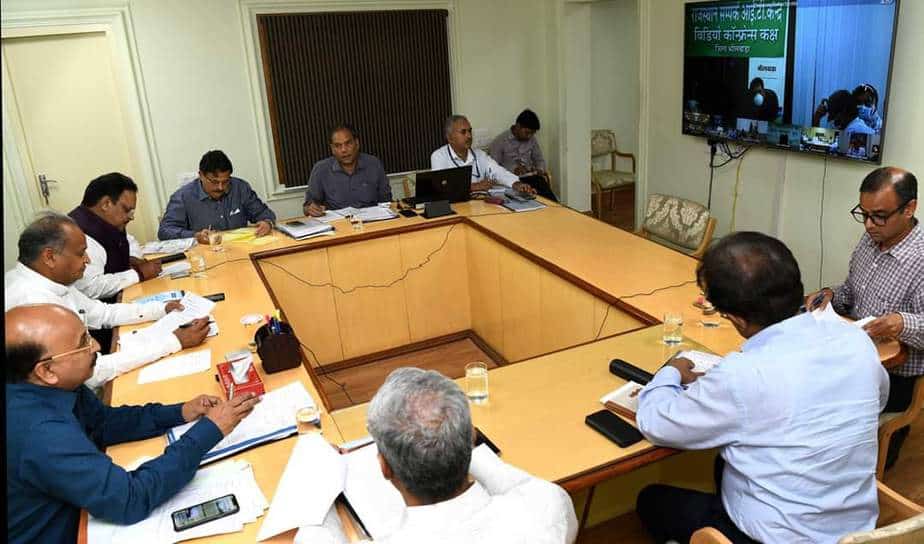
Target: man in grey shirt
[346,179]
[215,201]
[518,151]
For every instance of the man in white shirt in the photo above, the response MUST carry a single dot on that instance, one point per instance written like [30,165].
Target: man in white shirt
[422,426]
[458,152]
[794,414]
[108,206]
[52,256]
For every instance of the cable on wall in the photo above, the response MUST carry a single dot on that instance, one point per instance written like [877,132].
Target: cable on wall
[821,226]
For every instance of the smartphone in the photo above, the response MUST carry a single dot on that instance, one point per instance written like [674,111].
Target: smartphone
[408,213]
[187,518]
[481,438]
[217,297]
[613,427]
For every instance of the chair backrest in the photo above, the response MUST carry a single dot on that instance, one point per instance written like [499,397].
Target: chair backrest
[677,222]
[602,142]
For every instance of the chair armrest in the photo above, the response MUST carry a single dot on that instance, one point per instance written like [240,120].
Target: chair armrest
[618,153]
[709,535]
[890,499]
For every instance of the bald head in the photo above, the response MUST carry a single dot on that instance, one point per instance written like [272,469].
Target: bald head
[35,332]
[900,180]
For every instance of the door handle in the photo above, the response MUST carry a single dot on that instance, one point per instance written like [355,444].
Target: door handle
[43,185]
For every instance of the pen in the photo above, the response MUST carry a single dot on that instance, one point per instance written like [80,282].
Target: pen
[818,298]
[185,325]
[231,391]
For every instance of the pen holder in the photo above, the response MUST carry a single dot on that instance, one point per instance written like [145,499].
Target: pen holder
[277,351]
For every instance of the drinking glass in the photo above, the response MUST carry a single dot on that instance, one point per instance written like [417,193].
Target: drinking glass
[197,265]
[357,221]
[476,382]
[308,419]
[215,239]
[672,328]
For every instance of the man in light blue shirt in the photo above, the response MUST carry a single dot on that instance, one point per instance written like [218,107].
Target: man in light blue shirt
[215,201]
[794,414]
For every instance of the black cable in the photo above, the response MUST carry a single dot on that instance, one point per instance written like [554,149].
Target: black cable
[821,225]
[653,291]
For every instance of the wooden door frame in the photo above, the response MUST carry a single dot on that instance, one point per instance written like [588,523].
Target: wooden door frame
[117,25]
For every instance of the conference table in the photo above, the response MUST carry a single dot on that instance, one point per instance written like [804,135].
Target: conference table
[552,295]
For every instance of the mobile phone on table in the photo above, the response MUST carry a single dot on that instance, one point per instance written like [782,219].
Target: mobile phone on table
[217,297]
[613,427]
[408,213]
[187,518]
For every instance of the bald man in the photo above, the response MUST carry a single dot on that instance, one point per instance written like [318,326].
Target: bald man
[56,431]
[886,280]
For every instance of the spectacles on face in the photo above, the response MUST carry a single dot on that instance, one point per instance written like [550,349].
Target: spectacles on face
[878,219]
[218,183]
[86,344]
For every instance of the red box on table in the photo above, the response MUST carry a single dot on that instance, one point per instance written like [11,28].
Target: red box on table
[253,384]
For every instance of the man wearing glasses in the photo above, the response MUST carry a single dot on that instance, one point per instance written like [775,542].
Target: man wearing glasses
[56,431]
[52,257]
[886,279]
[216,201]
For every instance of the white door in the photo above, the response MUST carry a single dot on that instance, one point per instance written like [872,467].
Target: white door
[70,118]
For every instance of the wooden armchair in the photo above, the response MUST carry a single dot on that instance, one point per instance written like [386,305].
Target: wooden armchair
[889,422]
[905,518]
[678,223]
[603,142]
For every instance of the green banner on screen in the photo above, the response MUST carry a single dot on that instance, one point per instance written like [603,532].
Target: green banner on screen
[737,29]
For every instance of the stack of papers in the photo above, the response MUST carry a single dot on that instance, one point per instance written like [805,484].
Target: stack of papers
[242,234]
[368,215]
[300,229]
[194,307]
[168,246]
[176,366]
[272,418]
[522,205]
[702,362]
[231,478]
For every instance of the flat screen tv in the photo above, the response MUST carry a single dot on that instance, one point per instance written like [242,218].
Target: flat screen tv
[802,75]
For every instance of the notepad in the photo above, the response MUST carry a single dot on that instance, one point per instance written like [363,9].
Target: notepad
[702,362]
[272,418]
[176,366]
[624,400]
[523,205]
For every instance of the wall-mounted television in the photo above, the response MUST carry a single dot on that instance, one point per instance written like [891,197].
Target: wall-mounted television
[802,75]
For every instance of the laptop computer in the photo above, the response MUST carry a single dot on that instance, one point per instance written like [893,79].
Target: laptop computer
[452,184]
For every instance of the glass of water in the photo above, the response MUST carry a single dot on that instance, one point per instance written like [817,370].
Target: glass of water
[197,265]
[357,221]
[308,419]
[215,239]
[672,328]
[476,382]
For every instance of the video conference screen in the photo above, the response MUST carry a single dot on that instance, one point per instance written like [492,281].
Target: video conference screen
[803,75]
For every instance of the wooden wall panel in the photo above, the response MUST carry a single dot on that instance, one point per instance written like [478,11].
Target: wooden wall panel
[521,306]
[370,319]
[437,294]
[485,289]
[310,310]
[567,313]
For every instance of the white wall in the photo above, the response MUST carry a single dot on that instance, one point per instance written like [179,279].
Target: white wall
[780,192]
[614,65]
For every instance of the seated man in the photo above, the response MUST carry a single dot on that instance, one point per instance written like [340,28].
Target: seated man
[886,280]
[794,414]
[108,206]
[216,201]
[422,426]
[56,429]
[52,256]
[346,179]
[458,152]
[517,150]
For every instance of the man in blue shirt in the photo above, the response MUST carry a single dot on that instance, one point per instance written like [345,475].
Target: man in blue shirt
[56,430]
[794,414]
[215,201]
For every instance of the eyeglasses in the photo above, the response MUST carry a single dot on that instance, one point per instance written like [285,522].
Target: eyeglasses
[217,182]
[861,216]
[86,344]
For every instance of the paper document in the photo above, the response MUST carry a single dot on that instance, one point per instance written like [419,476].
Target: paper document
[165,296]
[167,246]
[330,216]
[368,215]
[828,314]
[230,478]
[194,307]
[174,268]
[523,205]
[378,504]
[702,362]
[271,419]
[301,229]
[312,479]
[178,365]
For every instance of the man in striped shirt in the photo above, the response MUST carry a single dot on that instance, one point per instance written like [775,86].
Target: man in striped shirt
[886,279]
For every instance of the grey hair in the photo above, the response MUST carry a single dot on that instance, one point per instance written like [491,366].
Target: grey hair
[422,425]
[451,120]
[46,231]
